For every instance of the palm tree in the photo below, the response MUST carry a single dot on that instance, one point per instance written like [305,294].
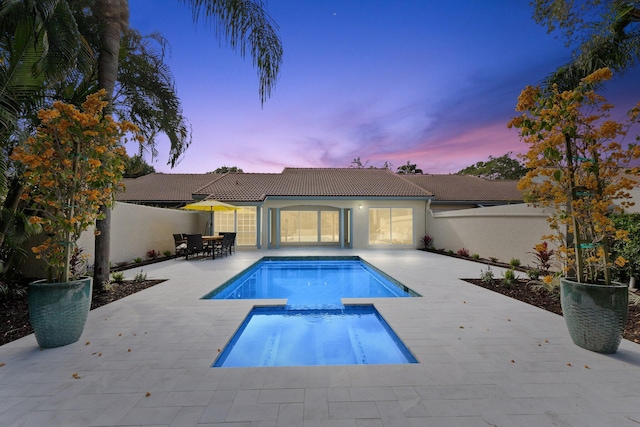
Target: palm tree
[243,24]
[39,42]
[145,91]
[612,41]
[68,70]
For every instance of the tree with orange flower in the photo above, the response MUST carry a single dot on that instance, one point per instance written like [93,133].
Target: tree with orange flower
[73,165]
[579,164]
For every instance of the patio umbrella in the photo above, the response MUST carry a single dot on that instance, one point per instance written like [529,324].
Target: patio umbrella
[210,206]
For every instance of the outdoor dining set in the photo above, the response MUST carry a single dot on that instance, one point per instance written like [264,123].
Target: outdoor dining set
[192,245]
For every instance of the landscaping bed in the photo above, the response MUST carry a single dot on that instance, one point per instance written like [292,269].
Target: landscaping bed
[524,291]
[14,314]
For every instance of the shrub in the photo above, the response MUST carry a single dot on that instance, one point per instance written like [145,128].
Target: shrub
[137,260]
[543,256]
[549,283]
[8,292]
[493,259]
[152,254]
[166,253]
[533,274]
[450,252]
[140,277]
[515,262]
[475,256]
[508,278]
[629,248]
[486,275]
[427,240]
[117,277]
[463,252]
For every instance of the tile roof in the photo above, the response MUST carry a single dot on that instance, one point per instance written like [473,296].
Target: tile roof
[467,188]
[312,182]
[160,187]
[316,182]
[240,187]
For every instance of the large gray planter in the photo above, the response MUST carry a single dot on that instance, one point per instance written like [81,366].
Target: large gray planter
[58,311]
[596,315]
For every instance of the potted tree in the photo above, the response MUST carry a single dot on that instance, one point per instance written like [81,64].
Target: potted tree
[72,166]
[579,164]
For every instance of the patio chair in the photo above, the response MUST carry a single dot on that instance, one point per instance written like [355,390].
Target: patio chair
[222,247]
[180,243]
[195,245]
[232,243]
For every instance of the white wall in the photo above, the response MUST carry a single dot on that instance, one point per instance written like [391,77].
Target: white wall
[137,229]
[503,232]
[635,197]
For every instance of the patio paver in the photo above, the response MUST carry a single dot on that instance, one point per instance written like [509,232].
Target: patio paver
[485,359]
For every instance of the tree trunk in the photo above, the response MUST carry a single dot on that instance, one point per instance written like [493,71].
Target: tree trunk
[16,188]
[101,269]
[114,17]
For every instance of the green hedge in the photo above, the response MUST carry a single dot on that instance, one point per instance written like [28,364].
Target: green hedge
[630,250]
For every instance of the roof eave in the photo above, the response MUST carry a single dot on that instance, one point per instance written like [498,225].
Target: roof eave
[349,197]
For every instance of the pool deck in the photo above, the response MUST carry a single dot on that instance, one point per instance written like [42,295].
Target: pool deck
[485,360]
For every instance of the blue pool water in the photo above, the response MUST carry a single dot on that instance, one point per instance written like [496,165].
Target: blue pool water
[278,336]
[311,283]
[314,328]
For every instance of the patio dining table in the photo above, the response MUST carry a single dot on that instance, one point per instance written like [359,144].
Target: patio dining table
[212,241]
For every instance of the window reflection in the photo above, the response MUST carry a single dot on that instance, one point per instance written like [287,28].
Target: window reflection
[390,226]
[309,226]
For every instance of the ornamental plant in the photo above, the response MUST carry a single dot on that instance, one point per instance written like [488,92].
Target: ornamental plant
[579,165]
[73,165]
[427,241]
[543,256]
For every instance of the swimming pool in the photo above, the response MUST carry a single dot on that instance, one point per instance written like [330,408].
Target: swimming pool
[313,328]
[278,336]
[311,281]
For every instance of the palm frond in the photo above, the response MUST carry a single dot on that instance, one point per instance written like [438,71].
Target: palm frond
[246,26]
[147,96]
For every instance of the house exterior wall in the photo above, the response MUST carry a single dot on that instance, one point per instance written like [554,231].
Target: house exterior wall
[504,232]
[359,217]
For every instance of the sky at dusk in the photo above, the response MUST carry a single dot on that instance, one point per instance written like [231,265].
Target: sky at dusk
[431,82]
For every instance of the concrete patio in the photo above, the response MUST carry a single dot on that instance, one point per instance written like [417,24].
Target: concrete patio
[485,360]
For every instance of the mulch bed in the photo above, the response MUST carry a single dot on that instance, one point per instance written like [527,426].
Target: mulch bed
[523,291]
[14,314]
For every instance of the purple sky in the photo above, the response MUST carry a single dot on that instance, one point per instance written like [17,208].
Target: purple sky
[428,81]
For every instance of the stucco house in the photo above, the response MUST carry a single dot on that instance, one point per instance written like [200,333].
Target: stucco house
[342,207]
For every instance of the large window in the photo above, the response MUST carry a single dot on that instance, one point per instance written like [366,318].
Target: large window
[309,226]
[390,226]
[242,221]
[329,226]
